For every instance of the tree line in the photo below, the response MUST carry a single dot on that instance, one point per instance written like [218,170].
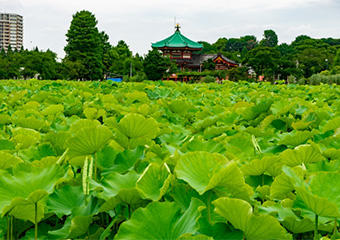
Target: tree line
[90,56]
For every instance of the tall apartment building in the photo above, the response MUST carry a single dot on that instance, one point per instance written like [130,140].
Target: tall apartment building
[11,31]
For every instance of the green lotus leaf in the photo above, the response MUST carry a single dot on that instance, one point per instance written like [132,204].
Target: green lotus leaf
[236,211]
[295,138]
[37,152]
[207,122]
[25,210]
[283,184]
[27,186]
[298,226]
[29,118]
[188,236]
[259,166]
[45,162]
[154,181]
[320,194]
[25,137]
[179,106]
[88,137]
[127,159]
[173,138]
[257,228]
[323,195]
[280,107]
[281,187]
[135,126]
[64,200]
[230,181]
[73,227]
[215,131]
[217,227]
[58,140]
[254,111]
[113,184]
[7,160]
[134,130]
[182,193]
[90,113]
[240,214]
[197,168]
[301,125]
[332,124]
[5,119]
[6,145]
[292,222]
[204,171]
[53,109]
[207,146]
[302,154]
[79,222]
[240,146]
[332,153]
[161,220]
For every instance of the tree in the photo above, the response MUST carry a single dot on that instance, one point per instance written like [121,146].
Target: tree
[270,39]
[337,59]
[220,45]
[85,45]
[106,47]
[208,65]
[120,59]
[301,38]
[155,65]
[238,74]
[264,60]
[238,44]
[207,48]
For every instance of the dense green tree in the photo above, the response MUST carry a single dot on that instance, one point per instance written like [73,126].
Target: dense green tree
[270,39]
[238,74]
[337,59]
[313,55]
[238,44]
[208,65]
[106,47]
[121,59]
[220,45]
[264,61]
[155,65]
[301,38]
[207,48]
[85,45]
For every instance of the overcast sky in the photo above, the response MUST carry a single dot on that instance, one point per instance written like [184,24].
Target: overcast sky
[141,22]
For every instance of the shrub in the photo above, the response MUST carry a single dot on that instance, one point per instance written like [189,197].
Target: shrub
[291,79]
[140,77]
[302,81]
[208,79]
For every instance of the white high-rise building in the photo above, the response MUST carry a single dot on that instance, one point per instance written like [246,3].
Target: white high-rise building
[11,31]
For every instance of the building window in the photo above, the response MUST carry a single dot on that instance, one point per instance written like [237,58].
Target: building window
[176,54]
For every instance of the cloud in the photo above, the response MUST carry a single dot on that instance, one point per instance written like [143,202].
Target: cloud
[140,22]
[10,6]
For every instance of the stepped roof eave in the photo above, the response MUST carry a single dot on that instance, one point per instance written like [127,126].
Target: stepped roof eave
[177,40]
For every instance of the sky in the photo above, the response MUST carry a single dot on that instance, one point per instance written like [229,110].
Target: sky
[142,22]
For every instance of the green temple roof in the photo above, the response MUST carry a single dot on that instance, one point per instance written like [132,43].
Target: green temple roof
[177,40]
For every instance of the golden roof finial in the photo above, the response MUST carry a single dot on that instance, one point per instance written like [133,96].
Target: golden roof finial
[177,27]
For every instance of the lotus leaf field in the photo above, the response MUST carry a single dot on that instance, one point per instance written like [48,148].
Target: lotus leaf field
[167,160]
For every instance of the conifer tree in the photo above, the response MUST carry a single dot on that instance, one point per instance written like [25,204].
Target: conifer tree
[84,46]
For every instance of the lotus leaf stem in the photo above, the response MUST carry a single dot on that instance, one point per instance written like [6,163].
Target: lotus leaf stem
[36,221]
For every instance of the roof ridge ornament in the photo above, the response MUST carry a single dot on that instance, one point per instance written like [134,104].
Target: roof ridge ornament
[177,27]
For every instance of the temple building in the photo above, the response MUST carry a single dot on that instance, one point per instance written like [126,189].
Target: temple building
[186,53]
